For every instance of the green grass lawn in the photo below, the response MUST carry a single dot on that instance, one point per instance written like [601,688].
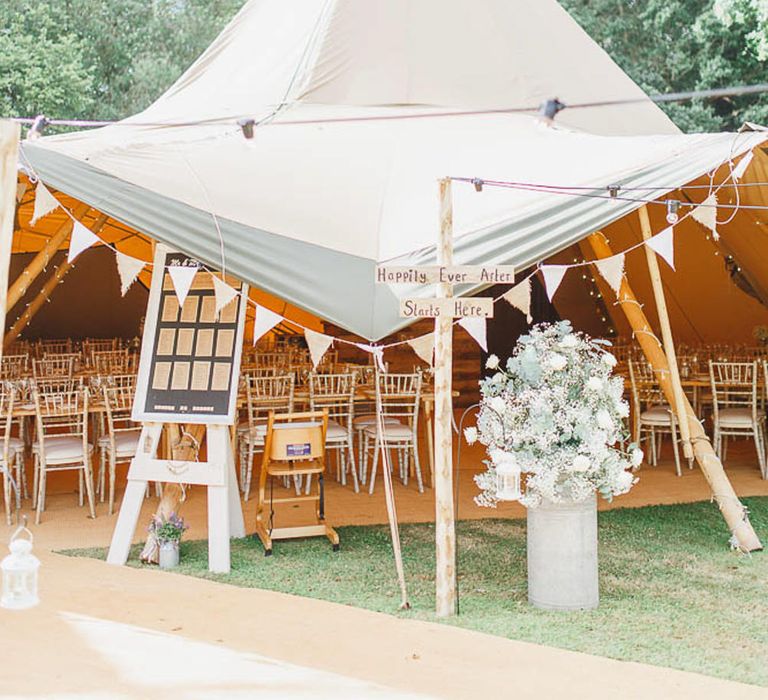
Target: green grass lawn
[672,594]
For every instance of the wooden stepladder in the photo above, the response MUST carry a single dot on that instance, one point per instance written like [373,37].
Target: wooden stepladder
[217,473]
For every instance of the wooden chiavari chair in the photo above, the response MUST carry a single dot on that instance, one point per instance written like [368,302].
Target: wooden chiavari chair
[652,415]
[735,411]
[62,443]
[336,394]
[59,367]
[263,394]
[12,456]
[122,438]
[396,427]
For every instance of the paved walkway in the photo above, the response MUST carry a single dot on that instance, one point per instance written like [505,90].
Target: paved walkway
[111,632]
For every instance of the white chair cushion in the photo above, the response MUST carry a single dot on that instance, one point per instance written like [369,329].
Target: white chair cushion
[259,429]
[125,443]
[735,418]
[391,431]
[362,422]
[336,432]
[62,449]
[15,445]
[657,415]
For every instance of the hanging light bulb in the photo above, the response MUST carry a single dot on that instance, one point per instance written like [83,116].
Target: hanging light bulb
[246,126]
[478,183]
[672,211]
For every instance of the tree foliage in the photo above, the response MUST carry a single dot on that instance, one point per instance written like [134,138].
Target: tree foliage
[680,45]
[99,59]
[106,59]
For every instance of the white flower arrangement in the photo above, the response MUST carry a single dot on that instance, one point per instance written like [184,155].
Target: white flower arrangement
[558,410]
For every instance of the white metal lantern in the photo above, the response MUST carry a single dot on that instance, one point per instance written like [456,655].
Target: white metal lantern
[507,475]
[20,570]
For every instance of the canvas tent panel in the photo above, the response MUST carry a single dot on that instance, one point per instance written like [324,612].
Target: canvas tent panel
[339,287]
[484,54]
[487,53]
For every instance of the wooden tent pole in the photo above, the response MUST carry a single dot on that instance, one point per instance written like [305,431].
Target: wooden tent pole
[43,257]
[666,335]
[445,527]
[10,134]
[34,306]
[722,491]
[45,293]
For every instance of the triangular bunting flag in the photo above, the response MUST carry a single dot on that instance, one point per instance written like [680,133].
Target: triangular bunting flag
[424,347]
[318,344]
[476,327]
[741,167]
[182,277]
[128,268]
[264,322]
[81,239]
[223,292]
[520,297]
[553,276]
[664,244]
[45,203]
[378,354]
[612,271]
[706,214]
[21,189]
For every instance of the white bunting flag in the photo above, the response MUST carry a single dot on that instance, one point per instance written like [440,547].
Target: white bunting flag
[476,327]
[378,354]
[741,167]
[45,203]
[182,277]
[424,347]
[553,276]
[80,240]
[612,271]
[706,214]
[520,297]
[223,292]
[664,244]
[318,344]
[21,189]
[264,322]
[128,268]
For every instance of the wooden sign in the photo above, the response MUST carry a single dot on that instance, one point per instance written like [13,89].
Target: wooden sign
[446,274]
[188,372]
[458,307]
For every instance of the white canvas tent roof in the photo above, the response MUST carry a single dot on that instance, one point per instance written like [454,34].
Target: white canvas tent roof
[327,188]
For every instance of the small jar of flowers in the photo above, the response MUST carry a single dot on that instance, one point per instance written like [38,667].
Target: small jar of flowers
[168,532]
[554,415]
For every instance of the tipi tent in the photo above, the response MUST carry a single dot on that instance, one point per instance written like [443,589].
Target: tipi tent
[349,101]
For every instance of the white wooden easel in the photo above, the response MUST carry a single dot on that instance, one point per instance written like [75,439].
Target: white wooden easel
[225,515]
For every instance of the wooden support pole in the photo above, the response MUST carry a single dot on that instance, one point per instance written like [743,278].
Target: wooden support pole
[722,491]
[10,133]
[666,335]
[43,257]
[44,294]
[445,528]
[36,304]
